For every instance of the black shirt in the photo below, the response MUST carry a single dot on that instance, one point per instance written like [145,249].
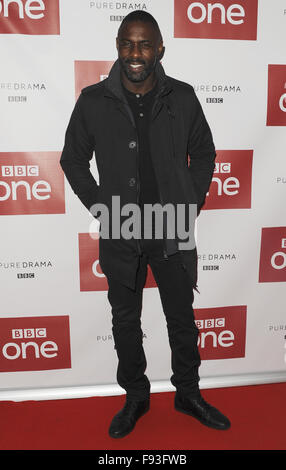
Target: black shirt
[141,107]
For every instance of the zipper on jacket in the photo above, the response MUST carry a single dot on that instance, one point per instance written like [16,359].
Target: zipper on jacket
[138,192]
[164,239]
[171,115]
[161,202]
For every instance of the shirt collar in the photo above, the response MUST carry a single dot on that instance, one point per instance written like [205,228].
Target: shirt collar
[150,94]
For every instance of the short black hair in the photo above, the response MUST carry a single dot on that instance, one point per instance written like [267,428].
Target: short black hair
[140,15]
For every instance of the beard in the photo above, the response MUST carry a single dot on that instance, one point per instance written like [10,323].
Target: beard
[134,76]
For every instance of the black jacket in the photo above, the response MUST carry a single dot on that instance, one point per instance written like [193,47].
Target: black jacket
[102,122]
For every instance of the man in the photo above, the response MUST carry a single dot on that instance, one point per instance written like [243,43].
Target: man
[143,126]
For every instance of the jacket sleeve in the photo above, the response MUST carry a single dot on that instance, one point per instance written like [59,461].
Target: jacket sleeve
[201,151]
[76,155]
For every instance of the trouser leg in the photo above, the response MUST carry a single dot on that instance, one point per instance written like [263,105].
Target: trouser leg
[126,307]
[176,293]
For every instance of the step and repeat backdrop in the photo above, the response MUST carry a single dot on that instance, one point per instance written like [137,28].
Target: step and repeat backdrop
[55,319]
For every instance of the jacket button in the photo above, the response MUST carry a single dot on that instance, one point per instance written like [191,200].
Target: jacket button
[132,182]
[132,144]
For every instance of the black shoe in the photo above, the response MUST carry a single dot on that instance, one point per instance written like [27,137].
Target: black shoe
[124,421]
[201,410]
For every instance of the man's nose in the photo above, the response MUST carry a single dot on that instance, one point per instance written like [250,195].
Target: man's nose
[135,51]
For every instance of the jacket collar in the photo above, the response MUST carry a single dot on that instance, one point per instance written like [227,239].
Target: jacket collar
[113,85]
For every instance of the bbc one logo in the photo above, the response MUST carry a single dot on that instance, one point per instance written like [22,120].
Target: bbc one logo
[91,276]
[232,181]
[222,332]
[206,19]
[272,266]
[34,343]
[31,183]
[276,102]
[39,17]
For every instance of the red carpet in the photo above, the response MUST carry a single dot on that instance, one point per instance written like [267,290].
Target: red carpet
[257,413]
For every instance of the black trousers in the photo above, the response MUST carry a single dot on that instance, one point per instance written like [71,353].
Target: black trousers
[176,294]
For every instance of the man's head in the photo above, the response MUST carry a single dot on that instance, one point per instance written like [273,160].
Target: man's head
[140,45]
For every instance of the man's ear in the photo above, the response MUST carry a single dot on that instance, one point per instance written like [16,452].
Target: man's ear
[161,53]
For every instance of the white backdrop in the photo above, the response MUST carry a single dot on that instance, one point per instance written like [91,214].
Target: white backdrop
[55,335]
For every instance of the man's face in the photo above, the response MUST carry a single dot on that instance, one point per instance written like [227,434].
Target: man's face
[139,48]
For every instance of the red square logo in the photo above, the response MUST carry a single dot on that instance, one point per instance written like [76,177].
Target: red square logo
[222,332]
[276,103]
[91,275]
[39,17]
[34,343]
[272,266]
[31,183]
[225,19]
[231,183]
[88,72]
